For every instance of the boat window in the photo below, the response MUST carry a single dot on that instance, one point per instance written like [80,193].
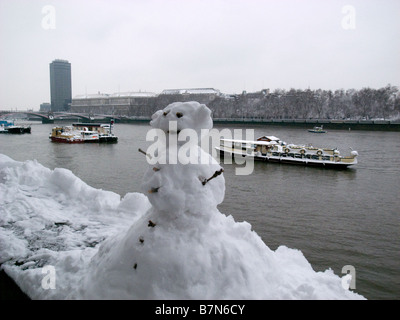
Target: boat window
[264,149]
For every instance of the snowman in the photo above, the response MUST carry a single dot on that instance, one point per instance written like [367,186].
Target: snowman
[179,181]
[183,247]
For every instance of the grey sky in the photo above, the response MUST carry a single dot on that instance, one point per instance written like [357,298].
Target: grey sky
[231,45]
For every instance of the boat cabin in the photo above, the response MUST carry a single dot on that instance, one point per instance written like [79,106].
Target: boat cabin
[94,127]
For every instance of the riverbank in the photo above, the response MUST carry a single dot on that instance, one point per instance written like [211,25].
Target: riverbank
[370,125]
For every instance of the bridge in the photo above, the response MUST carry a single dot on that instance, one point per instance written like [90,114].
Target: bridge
[50,117]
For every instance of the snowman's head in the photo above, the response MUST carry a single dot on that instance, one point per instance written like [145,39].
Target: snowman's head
[183,115]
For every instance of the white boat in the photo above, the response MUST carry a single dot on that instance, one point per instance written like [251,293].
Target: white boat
[83,133]
[317,130]
[272,149]
[66,134]
[90,130]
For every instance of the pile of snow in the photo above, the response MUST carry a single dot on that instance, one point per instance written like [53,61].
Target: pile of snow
[171,242]
[52,218]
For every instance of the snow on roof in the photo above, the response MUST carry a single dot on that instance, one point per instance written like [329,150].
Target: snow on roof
[148,94]
[61,60]
[92,96]
[134,94]
[191,91]
[272,138]
[116,95]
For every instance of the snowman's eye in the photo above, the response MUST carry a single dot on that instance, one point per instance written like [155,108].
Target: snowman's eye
[179,114]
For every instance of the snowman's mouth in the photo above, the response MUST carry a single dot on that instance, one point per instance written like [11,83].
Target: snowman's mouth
[177,132]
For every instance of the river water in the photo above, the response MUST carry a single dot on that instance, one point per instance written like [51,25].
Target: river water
[337,218]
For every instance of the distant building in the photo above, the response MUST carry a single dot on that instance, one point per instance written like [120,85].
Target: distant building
[45,107]
[142,104]
[202,95]
[60,85]
[125,103]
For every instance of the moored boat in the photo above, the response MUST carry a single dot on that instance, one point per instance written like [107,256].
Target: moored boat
[84,133]
[19,129]
[9,127]
[66,135]
[317,130]
[4,124]
[103,131]
[272,149]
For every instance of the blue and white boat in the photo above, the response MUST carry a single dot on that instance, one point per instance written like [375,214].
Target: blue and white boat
[272,149]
